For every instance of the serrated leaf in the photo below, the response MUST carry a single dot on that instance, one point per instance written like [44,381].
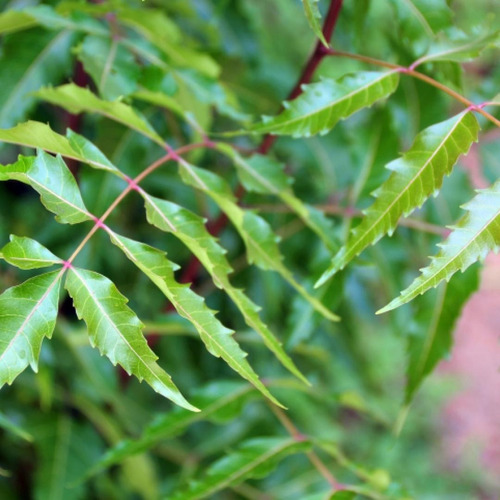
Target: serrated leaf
[217,338]
[438,316]
[34,59]
[476,234]
[456,46]
[254,458]
[111,66]
[51,178]
[40,136]
[321,105]
[26,253]
[259,239]
[27,314]
[264,175]
[190,229]
[418,174]
[117,332]
[15,20]
[227,397]
[313,18]
[78,100]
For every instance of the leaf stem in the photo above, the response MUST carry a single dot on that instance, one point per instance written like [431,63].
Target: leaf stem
[416,74]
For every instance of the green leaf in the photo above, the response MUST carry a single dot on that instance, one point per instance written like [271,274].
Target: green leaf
[51,178]
[15,20]
[28,313]
[313,18]
[439,314]
[458,47]
[321,105]
[190,229]
[476,234]
[26,253]
[415,176]
[217,338]
[111,66]
[259,239]
[262,174]
[117,331]
[16,430]
[219,401]
[254,458]
[78,100]
[34,59]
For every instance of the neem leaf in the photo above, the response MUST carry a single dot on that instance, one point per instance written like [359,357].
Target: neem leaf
[254,458]
[415,176]
[476,234]
[313,18]
[217,338]
[78,100]
[321,105]
[51,178]
[28,313]
[15,20]
[26,253]
[117,332]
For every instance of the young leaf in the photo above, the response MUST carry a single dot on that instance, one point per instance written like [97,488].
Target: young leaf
[313,18]
[15,20]
[27,314]
[415,176]
[259,239]
[191,230]
[26,253]
[323,104]
[78,100]
[226,398]
[254,458]
[427,348]
[217,338]
[51,178]
[476,234]
[117,331]
[111,66]
[262,174]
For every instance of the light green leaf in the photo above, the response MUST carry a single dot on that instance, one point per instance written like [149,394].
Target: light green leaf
[78,100]
[321,105]
[254,458]
[438,316]
[313,18]
[117,332]
[34,59]
[219,401]
[259,239]
[262,174]
[217,338]
[26,253]
[418,174]
[458,47]
[40,136]
[161,99]
[15,20]
[190,229]
[51,178]
[27,314]
[476,234]
[111,66]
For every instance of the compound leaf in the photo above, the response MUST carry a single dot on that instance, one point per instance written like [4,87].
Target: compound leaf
[217,338]
[28,313]
[117,332]
[254,458]
[415,176]
[321,105]
[26,253]
[51,178]
[476,234]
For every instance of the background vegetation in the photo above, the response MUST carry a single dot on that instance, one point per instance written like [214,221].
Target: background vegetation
[166,81]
